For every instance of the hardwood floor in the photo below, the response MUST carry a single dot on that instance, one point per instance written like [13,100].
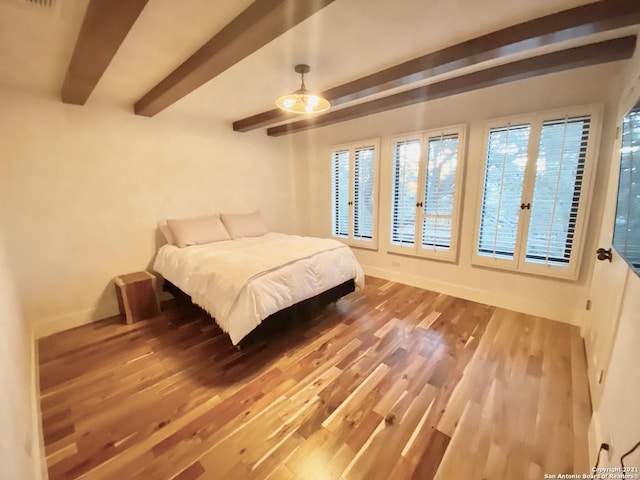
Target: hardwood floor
[390,382]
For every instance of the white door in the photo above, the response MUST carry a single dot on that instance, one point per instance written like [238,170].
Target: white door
[607,286]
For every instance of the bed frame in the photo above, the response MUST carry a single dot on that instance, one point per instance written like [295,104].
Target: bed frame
[285,318]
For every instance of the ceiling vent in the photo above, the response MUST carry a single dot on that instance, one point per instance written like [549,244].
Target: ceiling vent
[41,3]
[48,8]
[44,4]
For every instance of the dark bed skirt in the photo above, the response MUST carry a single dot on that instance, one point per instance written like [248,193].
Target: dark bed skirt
[285,318]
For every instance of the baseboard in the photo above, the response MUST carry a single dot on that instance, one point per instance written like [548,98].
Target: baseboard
[39,456]
[50,326]
[594,436]
[523,304]
[46,327]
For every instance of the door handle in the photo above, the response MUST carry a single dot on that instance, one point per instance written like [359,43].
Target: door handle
[604,254]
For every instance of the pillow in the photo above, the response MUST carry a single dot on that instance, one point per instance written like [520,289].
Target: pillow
[196,231]
[244,224]
[166,232]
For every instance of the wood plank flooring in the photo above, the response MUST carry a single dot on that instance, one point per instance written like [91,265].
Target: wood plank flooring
[389,382]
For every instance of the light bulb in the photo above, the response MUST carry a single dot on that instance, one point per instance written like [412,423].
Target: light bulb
[289,102]
[312,100]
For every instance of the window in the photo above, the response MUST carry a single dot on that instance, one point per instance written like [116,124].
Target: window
[354,170]
[427,171]
[535,192]
[626,234]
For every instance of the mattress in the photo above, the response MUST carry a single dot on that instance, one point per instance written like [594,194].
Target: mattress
[241,282]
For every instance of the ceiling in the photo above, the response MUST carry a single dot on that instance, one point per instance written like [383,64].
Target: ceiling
[345,40]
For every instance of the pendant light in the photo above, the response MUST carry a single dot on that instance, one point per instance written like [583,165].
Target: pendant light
[302,100]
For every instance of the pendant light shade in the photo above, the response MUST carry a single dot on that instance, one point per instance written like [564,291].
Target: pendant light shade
[302,100]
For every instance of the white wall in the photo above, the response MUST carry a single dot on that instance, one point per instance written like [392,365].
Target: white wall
[81,189]
[617,417]
[618,413]
[556,299]
[19,441]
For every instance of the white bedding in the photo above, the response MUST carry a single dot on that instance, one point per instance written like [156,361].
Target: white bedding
[241,282]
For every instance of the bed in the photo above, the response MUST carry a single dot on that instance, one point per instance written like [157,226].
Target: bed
[240,282]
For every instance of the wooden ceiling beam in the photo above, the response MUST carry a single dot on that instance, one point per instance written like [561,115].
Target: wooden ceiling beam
[105,26]
[593,54]
[568,24]
[261,22]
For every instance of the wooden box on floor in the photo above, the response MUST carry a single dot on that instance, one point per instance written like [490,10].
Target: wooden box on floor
[137,298]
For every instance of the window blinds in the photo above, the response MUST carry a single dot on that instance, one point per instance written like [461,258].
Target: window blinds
[534,192]
[439,191]
[425,206]
[354,193]
[363,183]
[502,191]
[626,237]
[340,189]
[559,177]
[406,164]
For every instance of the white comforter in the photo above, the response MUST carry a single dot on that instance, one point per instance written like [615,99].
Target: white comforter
[241,282]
